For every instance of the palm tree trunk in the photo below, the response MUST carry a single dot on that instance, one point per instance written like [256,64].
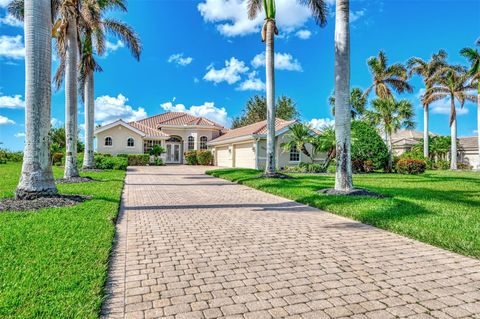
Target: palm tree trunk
[71,121]
[89,121]
[270,88]
[343,177]
[36,179]
[453,149]
[425,131]
[478,126]
[390,151]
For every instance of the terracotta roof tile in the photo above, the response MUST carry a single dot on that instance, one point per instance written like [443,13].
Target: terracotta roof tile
[259,128]
[469,142]
[148,130]
[177,118]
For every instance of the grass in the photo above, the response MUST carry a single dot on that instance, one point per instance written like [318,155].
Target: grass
[441,208]
[53,262]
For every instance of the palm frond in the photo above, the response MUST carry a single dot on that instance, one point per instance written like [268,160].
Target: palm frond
[17,9]
[253,8]
[126,34]
[319,10]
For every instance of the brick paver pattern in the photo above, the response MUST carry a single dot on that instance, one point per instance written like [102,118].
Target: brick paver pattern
[192,246]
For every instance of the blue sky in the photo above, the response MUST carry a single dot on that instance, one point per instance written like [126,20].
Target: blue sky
[205,57]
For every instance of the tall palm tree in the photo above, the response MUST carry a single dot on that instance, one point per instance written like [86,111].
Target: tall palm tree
[95,28]
[387,77]
[427,70]
[36,178]
[343,117]
[319,11]
[452,82]
[473,56]
[390,115]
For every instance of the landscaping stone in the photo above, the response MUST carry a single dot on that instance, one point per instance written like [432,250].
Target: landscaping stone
[12,204]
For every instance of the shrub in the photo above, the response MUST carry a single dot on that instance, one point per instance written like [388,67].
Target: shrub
[157,150]
[305,168]
[410,166]
[442,165]
[109,162]
[122,155]
[138,159]
[57,158]
[368,166]
[464,166]
[357,166]
[367,145]
[191,157]
[204,157]
[158,162]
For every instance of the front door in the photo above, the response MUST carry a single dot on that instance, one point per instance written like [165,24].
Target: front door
[173,153]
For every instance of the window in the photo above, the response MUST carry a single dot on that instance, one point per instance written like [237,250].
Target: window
[108,141]
[294,154]
[149,144]
[130,142]
[191,143]
[203,143]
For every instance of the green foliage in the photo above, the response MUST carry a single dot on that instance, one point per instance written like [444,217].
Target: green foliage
[367,145]
[57,141]
[109,162]
[410,166]
[442,165]
[157,150]
[9,156]
[437,207]
[57,159]
[358,103]
[256,110]
[53,262]
[158,162]
[303,167]
[204,157]
[138,159]
[191,157]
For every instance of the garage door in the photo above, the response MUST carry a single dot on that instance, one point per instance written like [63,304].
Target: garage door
[223,157]
[244,156]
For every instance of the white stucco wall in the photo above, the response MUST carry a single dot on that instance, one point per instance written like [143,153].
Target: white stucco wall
[119,135]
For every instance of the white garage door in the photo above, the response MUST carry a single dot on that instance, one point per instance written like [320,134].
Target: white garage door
[224,159]
[244,156]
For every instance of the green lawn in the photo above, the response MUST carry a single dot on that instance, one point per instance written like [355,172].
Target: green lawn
[441,208]
[53,262]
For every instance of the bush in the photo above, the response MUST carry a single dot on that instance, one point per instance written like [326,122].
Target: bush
[464,166]
[305,168]
[410,166]
[109,162]
[367,145]
[158,162]
[157,150]
[138,159]
[204,157]
[122,155]
[442,165]
[191,157]
[57,159]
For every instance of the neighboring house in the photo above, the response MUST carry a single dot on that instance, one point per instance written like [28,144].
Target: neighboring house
[245,147]
[176,132]
[404,140]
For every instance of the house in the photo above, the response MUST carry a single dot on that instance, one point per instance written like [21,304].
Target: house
[245,147]
[404,140]
[176,132]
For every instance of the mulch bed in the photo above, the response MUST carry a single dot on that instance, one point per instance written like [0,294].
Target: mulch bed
[93,170]
[353,192]
[12,204]
[73,180]
[277,175]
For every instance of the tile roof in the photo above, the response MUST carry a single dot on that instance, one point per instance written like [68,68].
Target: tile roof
[259,128]
[151,132]
[177,118]
[469,142]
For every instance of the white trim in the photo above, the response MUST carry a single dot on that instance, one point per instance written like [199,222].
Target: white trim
[122,123]
[231,140]
[105,139]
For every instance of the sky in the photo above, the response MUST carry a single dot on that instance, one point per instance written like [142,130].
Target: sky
[205,57]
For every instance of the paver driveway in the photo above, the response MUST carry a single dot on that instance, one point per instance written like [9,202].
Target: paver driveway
[193,246]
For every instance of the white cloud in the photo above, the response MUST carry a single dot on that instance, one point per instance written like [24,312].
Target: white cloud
[112,47]
[180,59]
[283,61]
[303,34]
[5,120]
[230,16]
[12,102]
[56,122]
[321,124]
[12,47]
[10,20]
[355,15]
[109,109]
[252,83]
[230,73]
[19,134]
[207,110]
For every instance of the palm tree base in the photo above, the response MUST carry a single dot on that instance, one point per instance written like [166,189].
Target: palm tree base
[352,192]
[23,194]
[276,175]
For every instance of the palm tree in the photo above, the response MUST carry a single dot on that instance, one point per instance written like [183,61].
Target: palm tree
[325,142]
[387,77]
[473,56]
[299,135]
[427,70]
[390,115]
[358,103]
[452,82]
[343,120]
[319,11]
[95,29]
[36,178]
